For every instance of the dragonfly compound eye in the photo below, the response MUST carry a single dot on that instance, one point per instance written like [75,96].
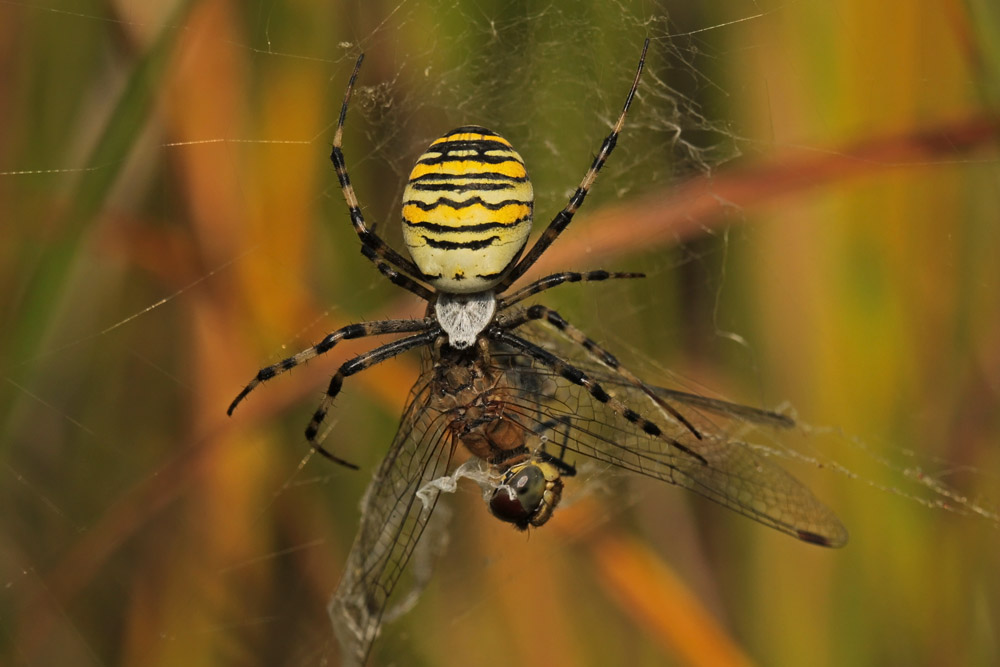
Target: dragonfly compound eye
[518,498]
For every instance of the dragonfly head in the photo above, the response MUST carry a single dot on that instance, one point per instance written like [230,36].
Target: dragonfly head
[527,494]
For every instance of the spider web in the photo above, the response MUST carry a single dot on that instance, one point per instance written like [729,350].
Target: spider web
[172,224]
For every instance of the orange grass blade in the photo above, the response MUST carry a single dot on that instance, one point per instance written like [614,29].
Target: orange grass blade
[649,590]
[664,217]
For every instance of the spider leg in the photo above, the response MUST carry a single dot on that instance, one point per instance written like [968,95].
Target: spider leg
[563,218]
[350,331]
[539,312]
[352,366]
[577,376]
[369,239]
[559,460]
[548,282]
[397,278]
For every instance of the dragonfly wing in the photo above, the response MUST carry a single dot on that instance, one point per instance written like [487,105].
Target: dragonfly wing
[393,517]
[724,408]
[716,462]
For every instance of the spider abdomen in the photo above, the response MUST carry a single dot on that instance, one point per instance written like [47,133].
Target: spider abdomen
[467,210]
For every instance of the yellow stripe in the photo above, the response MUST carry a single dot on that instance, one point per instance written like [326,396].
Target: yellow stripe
[465,190]
[471,136]
[473,214]
[510,168]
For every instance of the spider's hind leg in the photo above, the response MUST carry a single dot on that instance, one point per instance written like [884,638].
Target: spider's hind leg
[565,216]
[551,317]
[578,377]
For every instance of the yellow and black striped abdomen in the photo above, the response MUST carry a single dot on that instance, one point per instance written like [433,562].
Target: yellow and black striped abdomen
[467,210]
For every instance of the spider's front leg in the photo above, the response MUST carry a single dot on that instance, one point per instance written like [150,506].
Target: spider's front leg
[565,216]
[325,345]
[370,240]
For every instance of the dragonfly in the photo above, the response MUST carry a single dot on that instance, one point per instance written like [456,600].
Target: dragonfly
[524,419]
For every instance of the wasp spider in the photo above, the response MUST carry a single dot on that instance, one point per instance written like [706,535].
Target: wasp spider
[501,380]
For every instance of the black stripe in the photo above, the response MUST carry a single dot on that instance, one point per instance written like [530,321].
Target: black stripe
[471,129]
[474,186]
[609,359]
[479,175]
[470,144]
[356,218]
[597,391]
[337,157]
[482,227]
[467,245]
[465,203]
[355,331]
[479,157]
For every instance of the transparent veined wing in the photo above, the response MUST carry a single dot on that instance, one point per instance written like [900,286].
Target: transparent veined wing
[393,518]
[724,408]
[707,455]
[712,459]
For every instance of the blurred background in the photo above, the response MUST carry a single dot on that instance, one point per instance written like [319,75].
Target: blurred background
[811,187]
